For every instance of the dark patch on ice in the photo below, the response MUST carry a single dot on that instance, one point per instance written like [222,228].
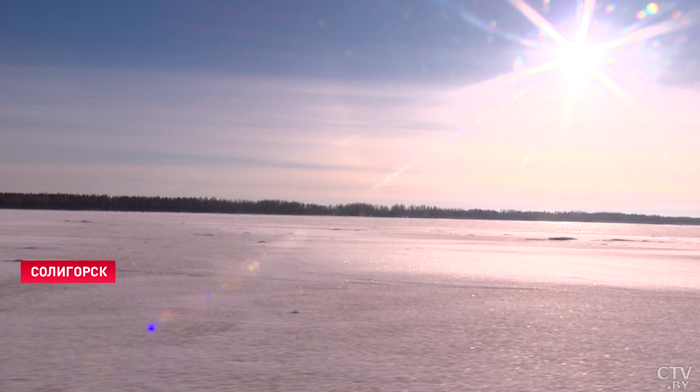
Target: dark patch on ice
[535,239]
[261,242]
[294,312]
[204,235]
[78,221]
[12,261]
[335,229]
[35,248]
[562,239]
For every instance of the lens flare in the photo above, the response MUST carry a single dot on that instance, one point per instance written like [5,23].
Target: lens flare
[641,15]
[518,63]
[166,315]
[652,8]
[526,158]
[254,267]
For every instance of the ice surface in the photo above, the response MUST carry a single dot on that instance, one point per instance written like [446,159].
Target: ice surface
[240,302]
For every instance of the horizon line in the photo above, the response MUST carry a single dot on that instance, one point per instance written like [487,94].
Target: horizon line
[341,209]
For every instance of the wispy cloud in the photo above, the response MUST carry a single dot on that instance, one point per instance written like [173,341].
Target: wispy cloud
[121,131]
[69,117]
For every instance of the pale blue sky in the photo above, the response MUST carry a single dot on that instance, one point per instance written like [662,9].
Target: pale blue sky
[372,101]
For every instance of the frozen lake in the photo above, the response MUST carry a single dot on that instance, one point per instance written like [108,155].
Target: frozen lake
[273,303]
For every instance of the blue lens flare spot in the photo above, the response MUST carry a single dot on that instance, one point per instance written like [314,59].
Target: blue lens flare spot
[151,328]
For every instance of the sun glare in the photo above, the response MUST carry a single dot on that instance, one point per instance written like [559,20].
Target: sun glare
[579,58]
[574,53]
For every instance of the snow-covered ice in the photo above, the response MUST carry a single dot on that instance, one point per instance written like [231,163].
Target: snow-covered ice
[282,303]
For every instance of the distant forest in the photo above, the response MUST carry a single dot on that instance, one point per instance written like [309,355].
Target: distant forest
[60,201]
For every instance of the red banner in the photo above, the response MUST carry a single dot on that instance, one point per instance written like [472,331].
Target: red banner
[69,271]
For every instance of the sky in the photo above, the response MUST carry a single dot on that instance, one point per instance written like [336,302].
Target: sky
[536,105]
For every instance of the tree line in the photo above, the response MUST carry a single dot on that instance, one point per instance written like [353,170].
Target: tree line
[63,201]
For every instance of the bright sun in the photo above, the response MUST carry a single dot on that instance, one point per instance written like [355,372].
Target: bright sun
[579,58]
